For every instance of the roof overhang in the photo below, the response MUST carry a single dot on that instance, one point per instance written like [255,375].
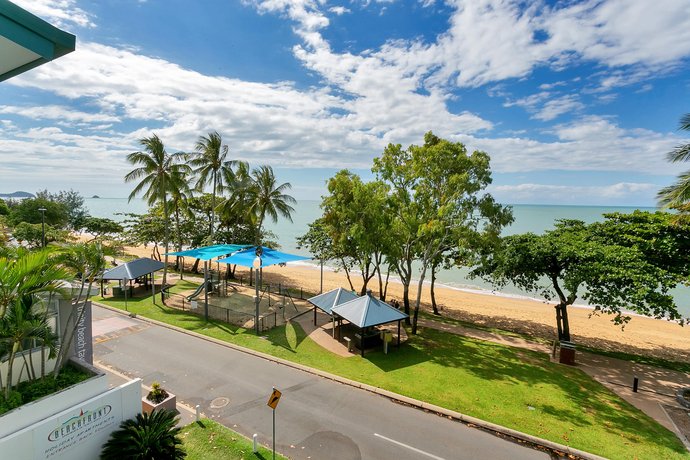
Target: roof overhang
[27,41]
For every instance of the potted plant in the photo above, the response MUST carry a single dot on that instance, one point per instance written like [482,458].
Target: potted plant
[158,398]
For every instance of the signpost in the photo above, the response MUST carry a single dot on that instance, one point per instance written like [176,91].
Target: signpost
[273,403]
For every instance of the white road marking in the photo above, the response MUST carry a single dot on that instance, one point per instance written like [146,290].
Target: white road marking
[408,447]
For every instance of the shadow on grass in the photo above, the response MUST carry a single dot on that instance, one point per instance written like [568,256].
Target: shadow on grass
[527,369]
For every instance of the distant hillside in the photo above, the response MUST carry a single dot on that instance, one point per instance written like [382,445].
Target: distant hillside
[17,195]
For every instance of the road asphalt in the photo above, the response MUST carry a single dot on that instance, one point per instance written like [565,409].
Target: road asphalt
[316,418]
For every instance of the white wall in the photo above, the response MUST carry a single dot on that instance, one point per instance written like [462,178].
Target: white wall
[78,432]
[19,364]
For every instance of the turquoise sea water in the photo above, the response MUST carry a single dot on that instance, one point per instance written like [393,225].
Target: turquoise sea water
[528,218]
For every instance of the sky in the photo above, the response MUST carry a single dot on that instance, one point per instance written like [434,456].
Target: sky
[576,102]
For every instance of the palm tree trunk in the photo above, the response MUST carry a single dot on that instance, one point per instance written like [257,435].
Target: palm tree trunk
[213,205]
[167,245]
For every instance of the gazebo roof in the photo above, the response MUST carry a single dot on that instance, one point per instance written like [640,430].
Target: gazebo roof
[133,270]
[27,41]
[367,311]
[245,257]
[210,252]
[330,299]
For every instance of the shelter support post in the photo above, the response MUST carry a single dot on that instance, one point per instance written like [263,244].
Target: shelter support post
[206,290]
[153,290]
[398,333]
[314,316]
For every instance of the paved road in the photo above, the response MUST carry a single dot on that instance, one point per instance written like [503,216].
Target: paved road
[316,418]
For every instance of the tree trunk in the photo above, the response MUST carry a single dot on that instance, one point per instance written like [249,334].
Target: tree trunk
[420,285]
[167,247]
[347,274]
[195,267]
[433,292]
[562,322]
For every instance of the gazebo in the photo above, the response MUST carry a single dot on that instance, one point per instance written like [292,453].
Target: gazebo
[326,301]
[139,268]
[362,312]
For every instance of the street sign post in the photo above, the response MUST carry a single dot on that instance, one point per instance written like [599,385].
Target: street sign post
[273,401]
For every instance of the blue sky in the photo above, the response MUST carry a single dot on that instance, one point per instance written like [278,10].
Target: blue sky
[577,102]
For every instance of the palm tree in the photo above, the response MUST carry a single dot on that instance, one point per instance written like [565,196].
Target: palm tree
[210,164]
[88,261]
[265,197]
[161,174]
[147,436]
[25,279]
[678,194]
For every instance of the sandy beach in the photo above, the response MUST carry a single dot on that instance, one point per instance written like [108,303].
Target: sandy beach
[642,335]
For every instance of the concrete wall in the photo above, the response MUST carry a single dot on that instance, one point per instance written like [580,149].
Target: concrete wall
[35,411]
[18,364]
[77,432]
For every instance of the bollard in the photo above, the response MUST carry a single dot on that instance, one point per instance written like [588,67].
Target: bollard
[636,381]
[256,446]
[198,413]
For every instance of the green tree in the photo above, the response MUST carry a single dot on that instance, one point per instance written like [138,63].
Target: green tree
[28,211]
[211,166]
[356,219]
[266,198]
[4,209]
[678,194]
[160,173]
[438,202]
[146,437]
[101,227]
[627,262]
[73,203]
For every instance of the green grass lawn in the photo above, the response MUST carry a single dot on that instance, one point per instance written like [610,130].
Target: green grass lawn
[209,440]
[516,388]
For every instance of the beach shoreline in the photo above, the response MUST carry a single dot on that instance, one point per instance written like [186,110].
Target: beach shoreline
[642,335]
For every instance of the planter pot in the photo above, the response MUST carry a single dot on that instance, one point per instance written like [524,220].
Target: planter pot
[168,403]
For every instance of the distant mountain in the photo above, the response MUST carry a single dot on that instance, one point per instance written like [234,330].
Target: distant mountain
[17,195]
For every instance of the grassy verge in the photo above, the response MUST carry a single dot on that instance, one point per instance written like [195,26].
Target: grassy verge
[508,386]
[209,440]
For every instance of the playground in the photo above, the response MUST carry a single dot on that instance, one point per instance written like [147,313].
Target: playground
[234,303]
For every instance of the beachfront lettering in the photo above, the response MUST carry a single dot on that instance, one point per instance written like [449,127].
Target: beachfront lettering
[80,422]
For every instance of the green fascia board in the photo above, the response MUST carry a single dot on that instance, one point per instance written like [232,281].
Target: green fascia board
[34,34]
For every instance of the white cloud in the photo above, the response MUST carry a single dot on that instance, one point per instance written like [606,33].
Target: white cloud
[61,13]
[587,144]
[574,194]
[339,10]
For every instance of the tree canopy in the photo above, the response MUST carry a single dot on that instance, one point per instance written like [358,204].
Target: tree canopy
[629,262]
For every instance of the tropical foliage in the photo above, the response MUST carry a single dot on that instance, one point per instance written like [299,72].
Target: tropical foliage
[678,195]
[146,437]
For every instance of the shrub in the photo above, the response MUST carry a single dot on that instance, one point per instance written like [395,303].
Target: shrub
[157,394]
[147,437]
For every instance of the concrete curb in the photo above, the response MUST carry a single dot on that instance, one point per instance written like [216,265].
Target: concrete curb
[466,419]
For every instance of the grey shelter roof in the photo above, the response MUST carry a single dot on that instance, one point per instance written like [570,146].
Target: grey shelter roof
[209,252]
[330,299]
[245,257]
[132,270]
[368,311]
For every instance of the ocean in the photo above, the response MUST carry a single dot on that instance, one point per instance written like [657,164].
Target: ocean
[528,218]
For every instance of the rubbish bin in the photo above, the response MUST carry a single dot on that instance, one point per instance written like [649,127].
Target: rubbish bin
[567,355]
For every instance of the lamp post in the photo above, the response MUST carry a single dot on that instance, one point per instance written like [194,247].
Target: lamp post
[257,266]
[43,226]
